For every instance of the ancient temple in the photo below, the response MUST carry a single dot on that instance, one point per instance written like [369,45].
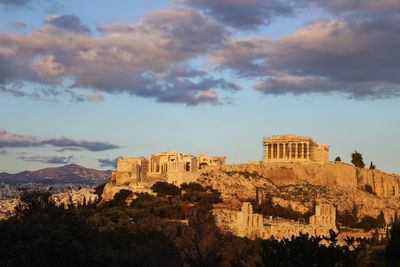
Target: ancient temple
[292,148]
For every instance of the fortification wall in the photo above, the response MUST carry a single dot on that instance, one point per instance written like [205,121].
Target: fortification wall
[328,174]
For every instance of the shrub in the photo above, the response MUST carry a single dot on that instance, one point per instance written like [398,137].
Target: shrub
[193,187]
[163,189]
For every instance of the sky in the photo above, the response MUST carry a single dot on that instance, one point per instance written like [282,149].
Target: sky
[89,81]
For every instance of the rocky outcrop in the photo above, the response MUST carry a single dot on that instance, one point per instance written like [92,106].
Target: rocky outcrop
[327,174]
[75,197]
[301,186]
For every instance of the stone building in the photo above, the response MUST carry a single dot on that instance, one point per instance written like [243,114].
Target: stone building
[166,162]
[292,148]
[251,225]
[129,170]
[204,160]
[173,167]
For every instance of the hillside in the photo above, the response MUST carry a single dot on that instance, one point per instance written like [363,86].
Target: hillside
[301,185]
[71,173]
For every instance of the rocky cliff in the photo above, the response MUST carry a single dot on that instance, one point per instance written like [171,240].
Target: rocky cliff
[301,185]
[326,174]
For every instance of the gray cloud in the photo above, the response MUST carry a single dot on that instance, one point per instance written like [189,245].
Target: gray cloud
[107,163]
[150,58]
[357,57]
[16,140]
[353,7]
[47,159]
[243,14]
[68,23]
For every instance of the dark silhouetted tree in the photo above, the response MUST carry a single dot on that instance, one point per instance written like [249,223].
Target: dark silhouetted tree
[393,247]
[337,159]
[163,189]
[357,159]
[372,166]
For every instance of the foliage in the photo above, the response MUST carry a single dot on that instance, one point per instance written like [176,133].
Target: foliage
[163,189]
[357,159]
[393,247]
[348,218]
[193,187]
[367,223]
[120,198]
[337,159]
[308,251]
[372,166]
[42,234]
[195,192]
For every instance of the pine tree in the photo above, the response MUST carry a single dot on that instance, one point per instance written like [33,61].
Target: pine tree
[357,159]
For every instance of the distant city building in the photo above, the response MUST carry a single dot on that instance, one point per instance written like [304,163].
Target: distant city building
[292,148]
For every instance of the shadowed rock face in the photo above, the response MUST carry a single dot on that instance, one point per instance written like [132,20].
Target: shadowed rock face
[71,173]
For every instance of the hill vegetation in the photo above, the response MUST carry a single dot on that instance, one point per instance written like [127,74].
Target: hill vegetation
[174,227]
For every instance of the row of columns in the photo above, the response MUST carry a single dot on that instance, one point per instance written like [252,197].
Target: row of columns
[289,150]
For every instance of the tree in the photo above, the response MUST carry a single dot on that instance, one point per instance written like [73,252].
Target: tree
[393,247]
[338,159]
[120,197]
[163,189]
[372,166]
[305,250]
[381,222]
[357,159]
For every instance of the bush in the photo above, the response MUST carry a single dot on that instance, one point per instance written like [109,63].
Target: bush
[163,189]
[308,251]
[193,187]
[42,234]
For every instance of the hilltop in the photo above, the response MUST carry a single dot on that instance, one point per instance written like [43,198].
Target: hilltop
[66,174]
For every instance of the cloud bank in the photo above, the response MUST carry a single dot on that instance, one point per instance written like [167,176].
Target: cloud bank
[47,160]
[108,163]
[12,140]
[244,15]
[357,57]
[149,59]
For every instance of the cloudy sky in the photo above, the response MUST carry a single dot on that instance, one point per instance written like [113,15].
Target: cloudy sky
[88,81]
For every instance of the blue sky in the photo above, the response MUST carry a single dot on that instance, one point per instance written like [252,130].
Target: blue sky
[82,81]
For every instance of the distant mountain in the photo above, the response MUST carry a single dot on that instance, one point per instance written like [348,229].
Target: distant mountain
[71,173]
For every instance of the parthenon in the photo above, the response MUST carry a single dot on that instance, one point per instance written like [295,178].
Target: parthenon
[281,148]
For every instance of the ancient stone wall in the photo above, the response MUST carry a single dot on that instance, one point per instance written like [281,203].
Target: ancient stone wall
[251,225]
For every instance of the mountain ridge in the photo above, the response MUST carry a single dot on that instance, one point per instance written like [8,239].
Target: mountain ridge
[70,173]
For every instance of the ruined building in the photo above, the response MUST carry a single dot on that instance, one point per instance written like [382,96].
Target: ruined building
[172,166]
[251,225]
[292,148]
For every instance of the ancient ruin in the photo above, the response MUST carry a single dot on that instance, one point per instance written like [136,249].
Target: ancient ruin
[138,174]
[281,148]
[295,171]
[252,225]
